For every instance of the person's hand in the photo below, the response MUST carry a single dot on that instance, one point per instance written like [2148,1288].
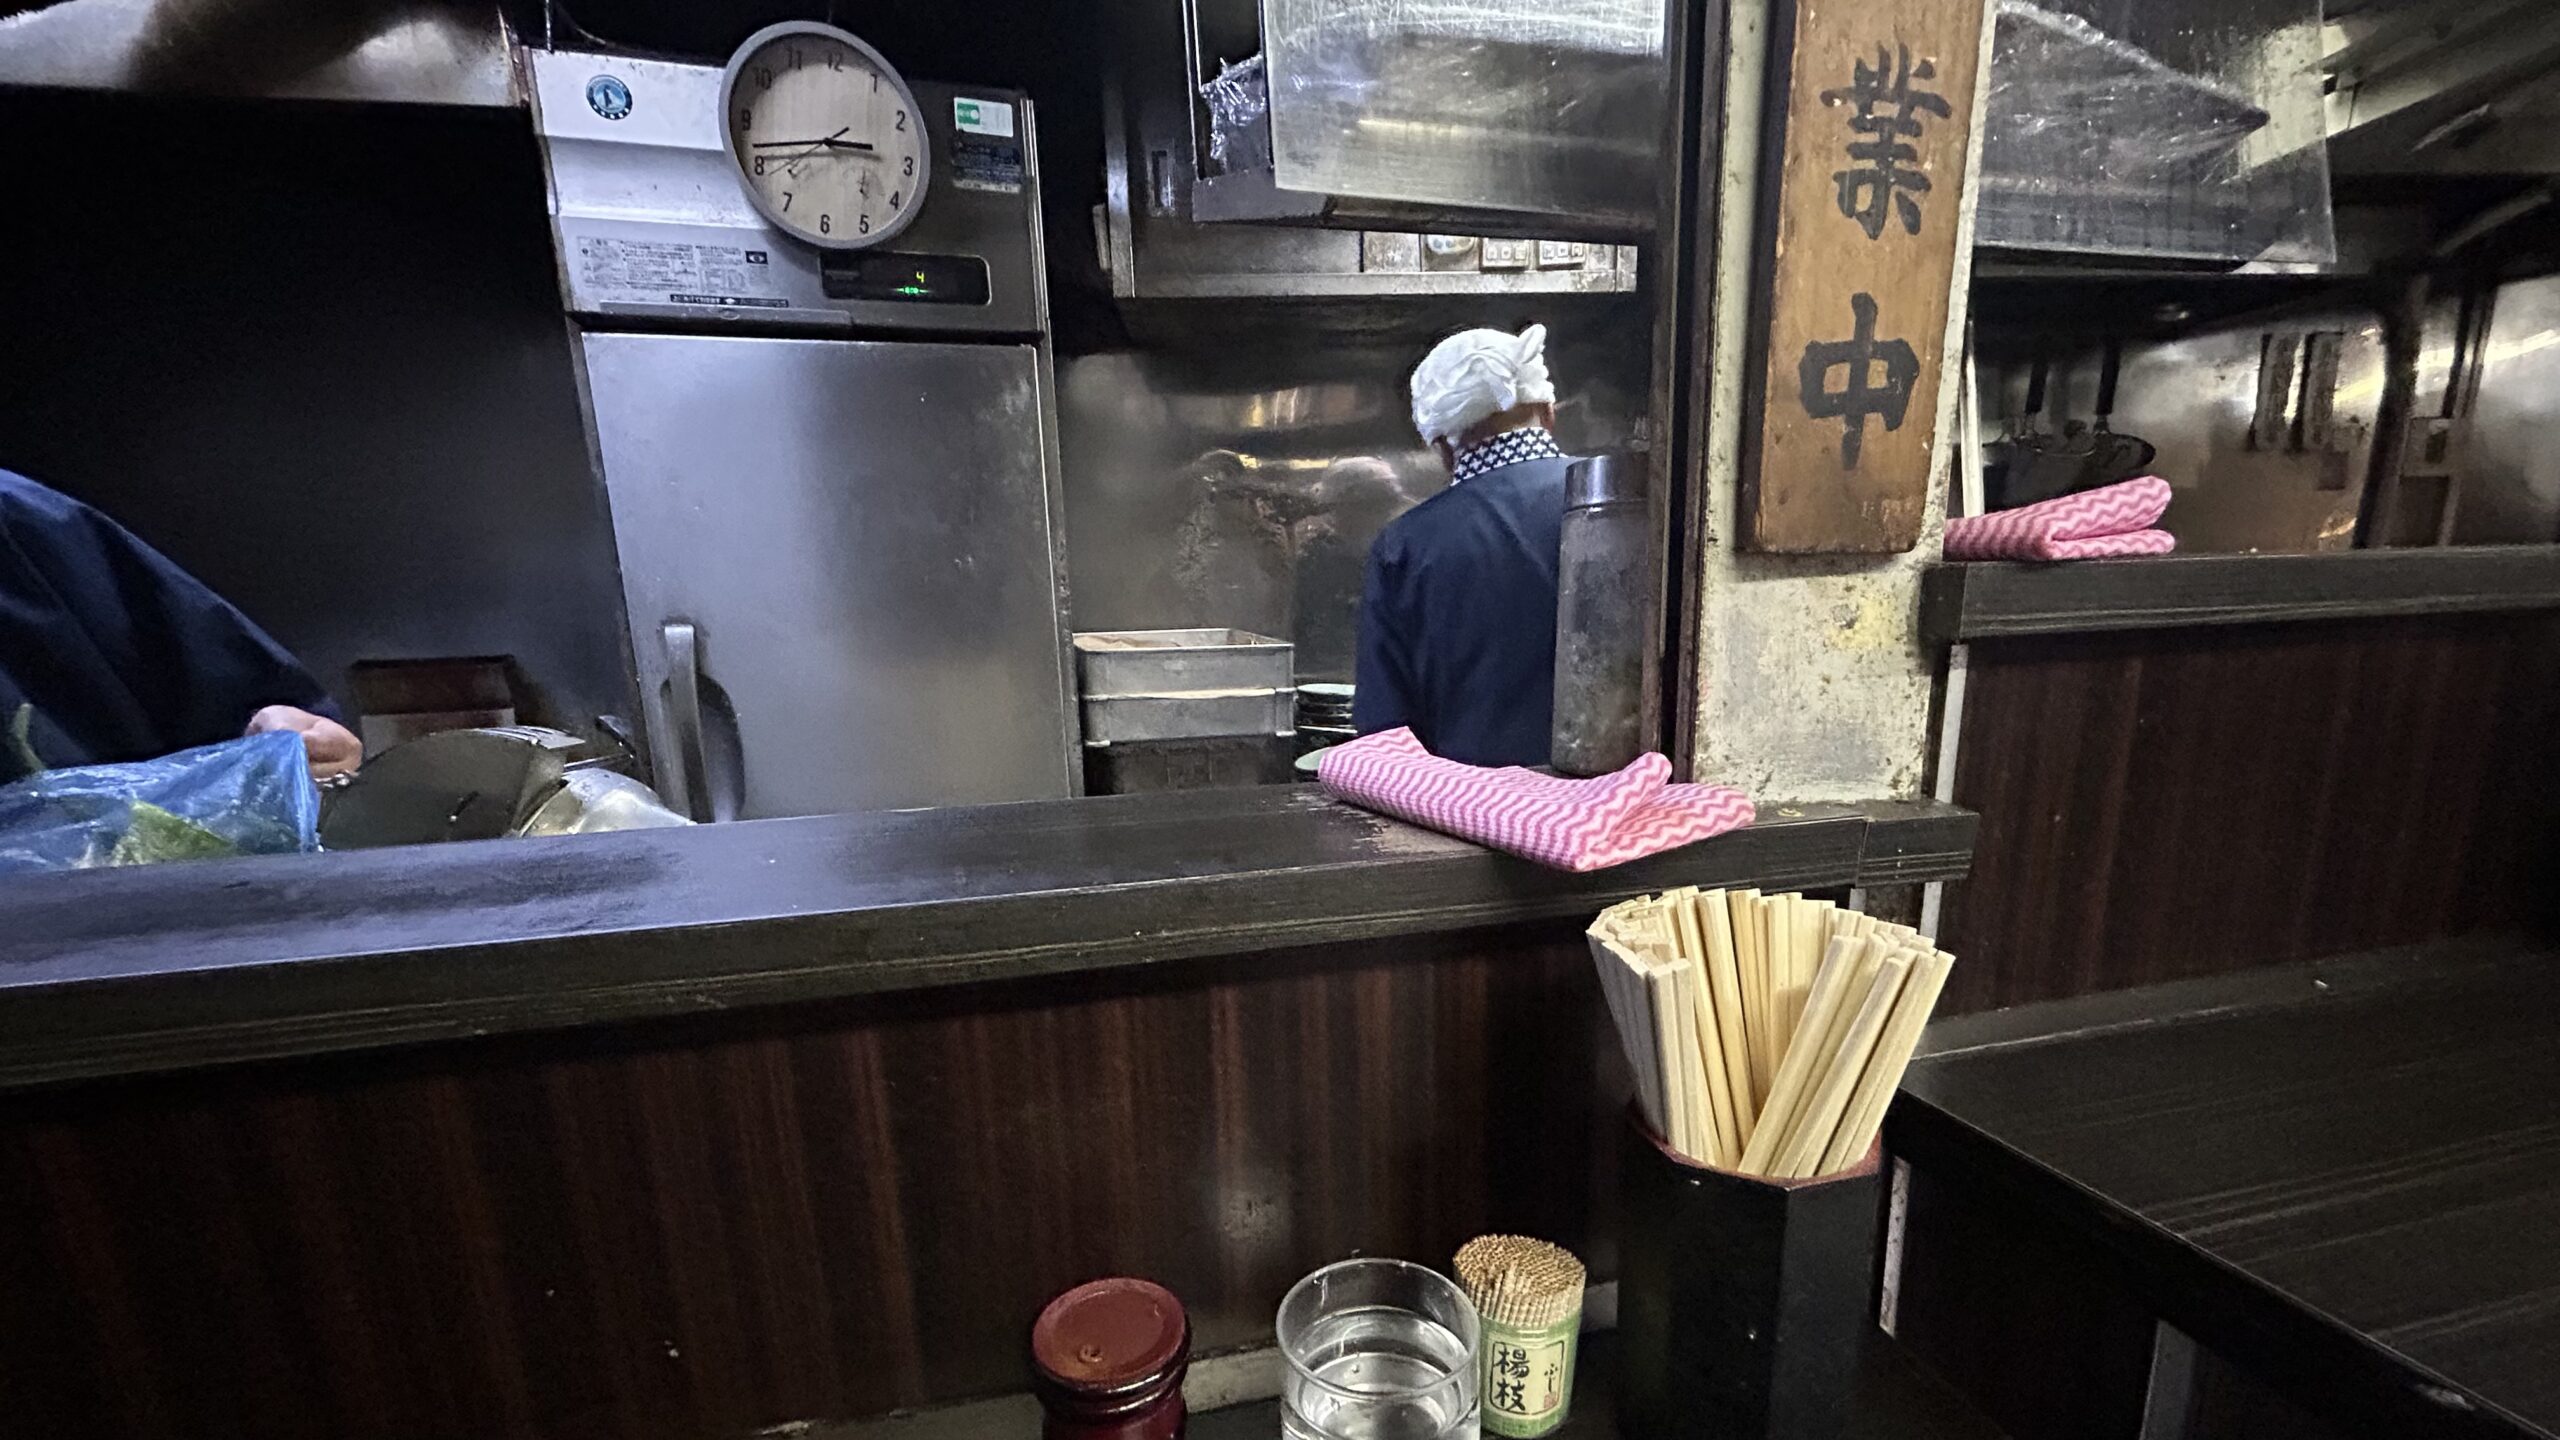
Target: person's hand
[332,747]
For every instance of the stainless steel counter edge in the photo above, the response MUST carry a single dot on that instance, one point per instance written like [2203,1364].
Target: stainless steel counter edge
[131,971]
[1993,600]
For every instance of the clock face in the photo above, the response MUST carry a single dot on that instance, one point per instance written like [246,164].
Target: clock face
[827,138]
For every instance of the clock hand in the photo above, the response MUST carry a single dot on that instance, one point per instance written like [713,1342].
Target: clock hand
[811,147]
[817,144]
[791,162]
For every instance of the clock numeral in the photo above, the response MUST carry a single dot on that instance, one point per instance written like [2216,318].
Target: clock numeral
[894,201]
[835,59]
[863,224]
[759,164]
[786,199]
[746,121]
[902,120]
[795,57]
[907,165]
[875,82]
[826,224]
[764,77]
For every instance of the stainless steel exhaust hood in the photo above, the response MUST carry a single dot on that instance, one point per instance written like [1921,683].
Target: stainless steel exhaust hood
[408,52]
[1505,117]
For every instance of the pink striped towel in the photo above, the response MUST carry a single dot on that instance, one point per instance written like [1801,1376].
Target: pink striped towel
[1570,824]
[2110,520]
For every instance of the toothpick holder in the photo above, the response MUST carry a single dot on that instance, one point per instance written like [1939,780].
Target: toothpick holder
[1743,1303]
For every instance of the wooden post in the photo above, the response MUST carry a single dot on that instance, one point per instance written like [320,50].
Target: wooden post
[1870,104]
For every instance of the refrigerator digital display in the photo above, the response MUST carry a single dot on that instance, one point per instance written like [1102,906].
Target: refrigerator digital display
[900,277]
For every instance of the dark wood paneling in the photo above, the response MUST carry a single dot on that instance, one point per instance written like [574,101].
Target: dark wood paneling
[2228,1405]
[704,1228]
[2170,804]
[2022,1323]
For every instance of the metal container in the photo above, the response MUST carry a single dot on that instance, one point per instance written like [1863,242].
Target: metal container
[1503,117]
[1205,762]
[1603,594]
[1116,664]
[1109,719]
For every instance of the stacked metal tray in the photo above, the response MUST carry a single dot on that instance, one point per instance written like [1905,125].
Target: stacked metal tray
[1138,685]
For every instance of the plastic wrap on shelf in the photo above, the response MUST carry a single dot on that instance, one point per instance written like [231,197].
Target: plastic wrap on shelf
[2182,130]
[1239,102]
[1520,105]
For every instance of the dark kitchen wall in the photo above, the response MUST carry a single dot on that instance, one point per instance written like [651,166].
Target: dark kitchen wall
[313,352]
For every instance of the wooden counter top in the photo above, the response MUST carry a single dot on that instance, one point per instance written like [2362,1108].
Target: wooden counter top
[2343,1177]
[1992,600]
[127,971]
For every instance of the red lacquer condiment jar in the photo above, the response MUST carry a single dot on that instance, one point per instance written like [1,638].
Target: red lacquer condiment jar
[1108,1357]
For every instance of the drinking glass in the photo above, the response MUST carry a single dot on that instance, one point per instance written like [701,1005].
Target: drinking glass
[1378,1350]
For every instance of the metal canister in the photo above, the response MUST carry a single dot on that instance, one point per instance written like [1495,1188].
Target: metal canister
[1603,621]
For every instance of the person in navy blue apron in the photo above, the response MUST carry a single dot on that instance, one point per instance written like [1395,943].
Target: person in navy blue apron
[109,652]
[1458,608]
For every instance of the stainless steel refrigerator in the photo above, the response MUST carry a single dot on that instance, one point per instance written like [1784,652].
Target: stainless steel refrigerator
[833,475]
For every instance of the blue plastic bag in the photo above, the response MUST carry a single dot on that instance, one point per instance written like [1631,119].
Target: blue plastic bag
[251,796]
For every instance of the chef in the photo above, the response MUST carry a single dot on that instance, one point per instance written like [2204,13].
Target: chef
[110,652]
[1458,609]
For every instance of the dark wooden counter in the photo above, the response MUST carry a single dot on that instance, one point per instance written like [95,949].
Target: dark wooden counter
[1983,601]
[117,972]
[1897,1400]
[2343,1178]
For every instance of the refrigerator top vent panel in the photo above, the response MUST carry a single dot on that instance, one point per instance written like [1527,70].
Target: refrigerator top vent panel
[652,223]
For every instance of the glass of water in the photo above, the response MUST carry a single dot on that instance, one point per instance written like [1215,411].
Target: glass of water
[1378,1350]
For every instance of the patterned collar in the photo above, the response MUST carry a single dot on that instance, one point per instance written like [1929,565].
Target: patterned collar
[1529,442]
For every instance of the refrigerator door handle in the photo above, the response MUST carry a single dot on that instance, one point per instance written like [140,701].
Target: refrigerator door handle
[684,717]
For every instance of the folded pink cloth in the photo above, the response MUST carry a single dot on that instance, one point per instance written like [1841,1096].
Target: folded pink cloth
[1570,824]
[2110,520]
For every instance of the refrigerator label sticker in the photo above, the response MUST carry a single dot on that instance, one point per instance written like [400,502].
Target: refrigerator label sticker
[662,271]
[982,117]
[994,165]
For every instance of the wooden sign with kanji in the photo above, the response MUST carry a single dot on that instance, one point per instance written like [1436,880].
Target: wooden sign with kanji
[1870,106]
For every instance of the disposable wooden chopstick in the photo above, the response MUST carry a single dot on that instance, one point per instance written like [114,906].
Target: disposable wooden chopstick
[1787,1090]
[1662,991]
[1723,1139]
[1701,985]
[1621,985]
[1642,1051]
[1724,988]
[1680,908]
[1777,941]
[1712,1127]
[1813,1128]
[1819,1042]
[1787,972]
[1679,911]
[1742,907]
[1872,953]
[1813,934]
[1884,1071]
